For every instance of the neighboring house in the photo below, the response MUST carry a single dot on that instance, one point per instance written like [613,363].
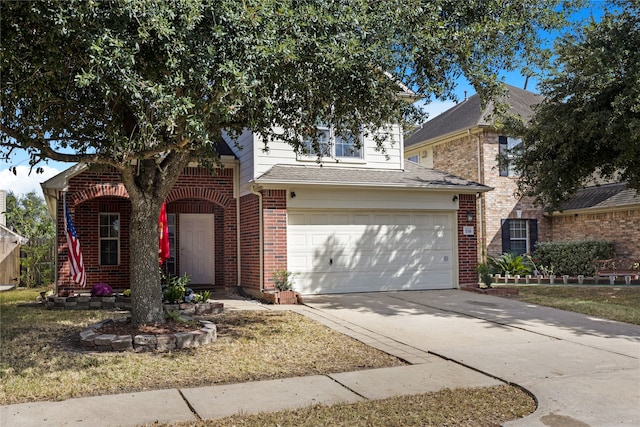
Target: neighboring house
[465,141]
[361,221]
[608,211]
[10,243]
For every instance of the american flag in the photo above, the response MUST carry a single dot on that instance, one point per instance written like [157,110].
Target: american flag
[76,265]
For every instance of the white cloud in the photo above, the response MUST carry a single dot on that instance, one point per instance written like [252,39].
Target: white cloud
[23,182]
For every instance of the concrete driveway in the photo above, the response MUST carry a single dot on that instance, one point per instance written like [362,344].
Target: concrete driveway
[582,370]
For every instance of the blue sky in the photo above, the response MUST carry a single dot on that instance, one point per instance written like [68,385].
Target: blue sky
[24,182]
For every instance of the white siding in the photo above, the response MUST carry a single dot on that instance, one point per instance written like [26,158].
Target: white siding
[255,160]
[362,198]
[244,149]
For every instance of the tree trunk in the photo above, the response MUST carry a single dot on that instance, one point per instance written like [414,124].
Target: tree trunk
[148,186]
[146,293]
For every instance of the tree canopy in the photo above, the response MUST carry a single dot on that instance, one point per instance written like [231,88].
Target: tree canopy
[155,84]
[588,127]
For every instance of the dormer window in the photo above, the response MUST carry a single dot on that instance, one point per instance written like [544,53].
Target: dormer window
[331,144]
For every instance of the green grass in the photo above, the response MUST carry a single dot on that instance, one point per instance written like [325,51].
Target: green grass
[620,303]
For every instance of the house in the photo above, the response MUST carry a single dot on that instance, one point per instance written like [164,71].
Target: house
[359,221]
[10,243]
[601,212]
[466,142]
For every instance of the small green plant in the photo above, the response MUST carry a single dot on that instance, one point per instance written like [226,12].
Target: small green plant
[485,274]
[176,287]
[126,293]
[203,296]
[174,316]
[283,279]
[509,263]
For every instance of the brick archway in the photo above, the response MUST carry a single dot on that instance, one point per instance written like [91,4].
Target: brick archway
[115,189]
[201,193]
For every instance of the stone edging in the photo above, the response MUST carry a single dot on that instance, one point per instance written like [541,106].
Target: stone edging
[85,302]
[90,338]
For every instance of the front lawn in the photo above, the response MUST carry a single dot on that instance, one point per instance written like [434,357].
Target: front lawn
[620,303]
[40,358]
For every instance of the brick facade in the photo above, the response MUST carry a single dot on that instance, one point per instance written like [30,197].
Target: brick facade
[622,227]
[199,191]
[196,191]
[459,156]
[467,245]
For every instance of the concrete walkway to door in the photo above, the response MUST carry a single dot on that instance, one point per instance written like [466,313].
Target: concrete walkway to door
[582,370]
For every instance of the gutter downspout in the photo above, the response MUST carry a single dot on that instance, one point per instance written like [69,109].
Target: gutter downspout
[238,248]
[260,232]
[480,199]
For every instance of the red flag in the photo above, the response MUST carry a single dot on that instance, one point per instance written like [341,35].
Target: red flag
[76,264]
[164,249]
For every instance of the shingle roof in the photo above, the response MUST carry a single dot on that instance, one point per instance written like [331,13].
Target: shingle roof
[603,197]
[469,114]
[413,176]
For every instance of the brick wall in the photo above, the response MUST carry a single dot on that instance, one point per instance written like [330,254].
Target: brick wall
[196,191]
[622,227]
[458,157]
[274,208]
[467,245]
[250,241]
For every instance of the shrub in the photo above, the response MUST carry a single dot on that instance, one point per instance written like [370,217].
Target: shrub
[283,279]
[509,263]
[485,274]
[101,290]
[573,258]
[175,289]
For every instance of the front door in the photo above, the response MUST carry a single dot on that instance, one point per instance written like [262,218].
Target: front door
[196,248]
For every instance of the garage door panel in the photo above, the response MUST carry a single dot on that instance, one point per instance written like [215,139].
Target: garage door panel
[369,251]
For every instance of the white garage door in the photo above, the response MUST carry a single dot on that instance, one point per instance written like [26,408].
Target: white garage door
[363,251]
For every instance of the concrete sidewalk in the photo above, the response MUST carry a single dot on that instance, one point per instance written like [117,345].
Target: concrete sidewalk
[583,371]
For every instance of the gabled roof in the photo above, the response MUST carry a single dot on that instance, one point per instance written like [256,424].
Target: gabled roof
[469,114]
[602,197]
[414,176]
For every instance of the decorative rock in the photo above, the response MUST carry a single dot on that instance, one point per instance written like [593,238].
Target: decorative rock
[122,343]
[145,342]
[166,342]
[184,340]
[104,340]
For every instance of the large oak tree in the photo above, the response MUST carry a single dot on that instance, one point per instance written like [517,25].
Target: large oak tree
[588,127]
[154,84]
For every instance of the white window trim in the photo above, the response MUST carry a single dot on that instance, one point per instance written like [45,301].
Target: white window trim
[312,157]
[100,239]
[526,237]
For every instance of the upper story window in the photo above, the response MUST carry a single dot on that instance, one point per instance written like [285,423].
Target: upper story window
[332,144]
[109,237]
[507,153]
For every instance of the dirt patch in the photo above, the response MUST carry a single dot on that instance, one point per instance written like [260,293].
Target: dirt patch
[126,328]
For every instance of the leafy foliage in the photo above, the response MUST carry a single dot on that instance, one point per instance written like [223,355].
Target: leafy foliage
[509,263]
[27,215]
[156,84]
[175,288]
[573,258]
[588,125]
[485,274]
[283,279]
